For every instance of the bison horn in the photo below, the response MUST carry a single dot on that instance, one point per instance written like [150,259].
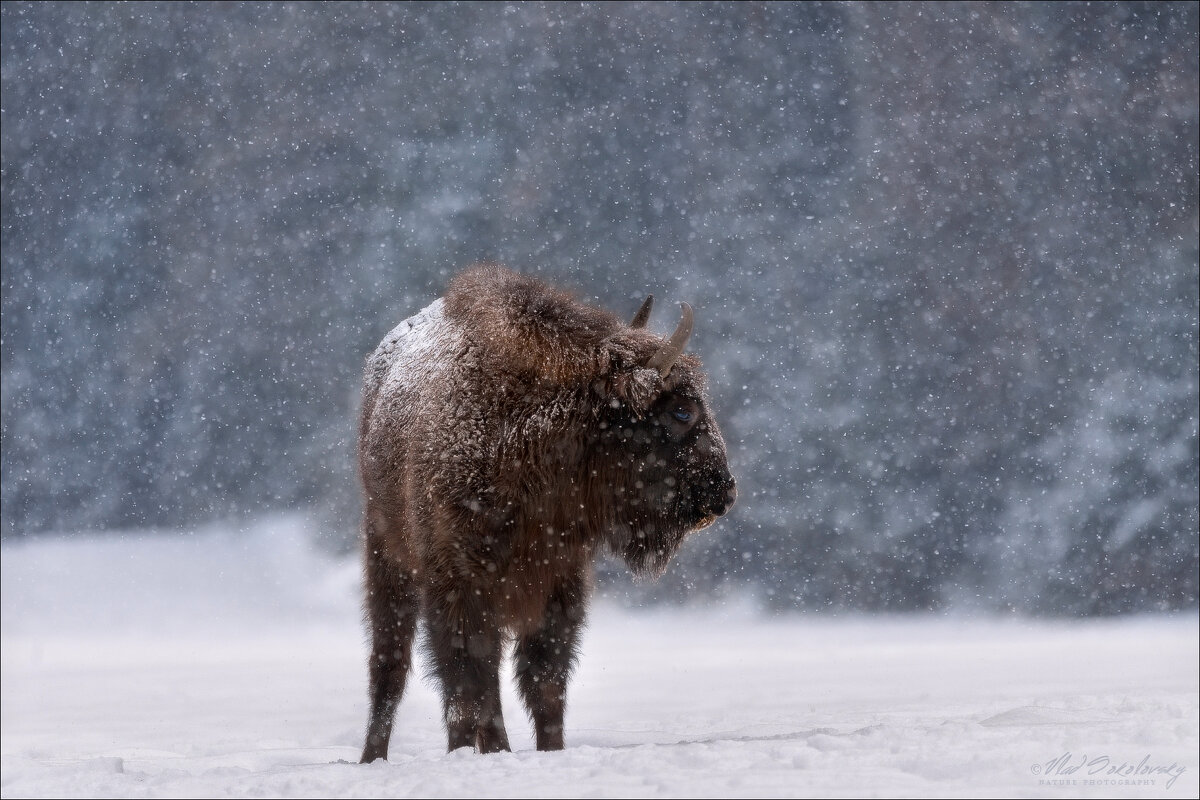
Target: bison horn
[643,313]
[669,353]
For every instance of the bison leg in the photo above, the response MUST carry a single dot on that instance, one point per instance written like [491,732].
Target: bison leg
[392,613]
[466,651]
[544,660]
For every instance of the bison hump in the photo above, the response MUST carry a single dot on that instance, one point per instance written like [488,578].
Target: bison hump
[526,326]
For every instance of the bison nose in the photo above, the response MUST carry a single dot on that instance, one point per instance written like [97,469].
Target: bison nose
[724,496]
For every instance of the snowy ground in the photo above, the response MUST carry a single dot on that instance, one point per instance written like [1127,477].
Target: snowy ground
[219,665]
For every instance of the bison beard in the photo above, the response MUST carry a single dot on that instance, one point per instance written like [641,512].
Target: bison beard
[508,433]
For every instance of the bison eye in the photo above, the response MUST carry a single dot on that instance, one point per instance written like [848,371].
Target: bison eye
[682,415]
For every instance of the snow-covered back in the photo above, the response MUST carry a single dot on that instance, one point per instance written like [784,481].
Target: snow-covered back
[409,355]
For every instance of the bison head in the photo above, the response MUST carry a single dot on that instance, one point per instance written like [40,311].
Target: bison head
[658,455]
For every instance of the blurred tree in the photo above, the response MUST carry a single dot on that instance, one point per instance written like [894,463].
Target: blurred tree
[943,259]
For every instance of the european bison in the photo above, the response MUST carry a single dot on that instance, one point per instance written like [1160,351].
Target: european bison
[508,433]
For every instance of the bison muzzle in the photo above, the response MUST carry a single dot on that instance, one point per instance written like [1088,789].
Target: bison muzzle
[510,432]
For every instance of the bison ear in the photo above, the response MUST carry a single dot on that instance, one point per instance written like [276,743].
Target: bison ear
[637,389]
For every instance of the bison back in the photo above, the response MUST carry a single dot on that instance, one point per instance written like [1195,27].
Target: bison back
[403,379]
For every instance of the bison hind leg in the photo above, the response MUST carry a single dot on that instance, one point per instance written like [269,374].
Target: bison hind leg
[392,607]
[465,646]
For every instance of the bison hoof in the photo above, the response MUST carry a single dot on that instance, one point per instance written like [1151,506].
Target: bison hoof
[489,742]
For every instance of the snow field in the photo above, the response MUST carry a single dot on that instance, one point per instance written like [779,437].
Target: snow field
[221,665]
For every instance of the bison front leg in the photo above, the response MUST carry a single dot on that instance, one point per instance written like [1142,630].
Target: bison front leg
[544,660]
[466,649]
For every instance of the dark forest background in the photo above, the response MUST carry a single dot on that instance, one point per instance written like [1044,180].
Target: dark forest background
[943,257]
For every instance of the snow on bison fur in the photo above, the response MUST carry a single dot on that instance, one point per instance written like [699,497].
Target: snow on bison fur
[508,433]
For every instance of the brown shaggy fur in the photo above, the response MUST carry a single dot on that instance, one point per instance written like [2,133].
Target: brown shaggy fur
[507,433]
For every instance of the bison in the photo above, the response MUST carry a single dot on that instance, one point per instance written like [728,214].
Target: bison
[509,432]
